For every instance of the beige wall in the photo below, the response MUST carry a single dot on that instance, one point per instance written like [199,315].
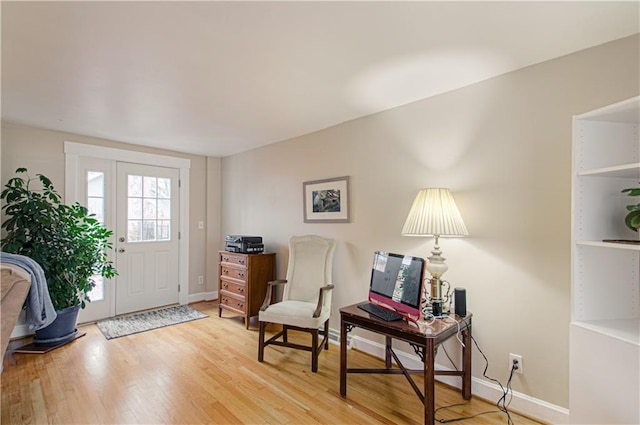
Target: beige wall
[503,146]
[42,151]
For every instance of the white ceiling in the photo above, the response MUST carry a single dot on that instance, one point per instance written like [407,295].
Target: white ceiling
[218,78]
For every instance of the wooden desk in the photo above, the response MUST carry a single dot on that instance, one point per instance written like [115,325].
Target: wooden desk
[424,341]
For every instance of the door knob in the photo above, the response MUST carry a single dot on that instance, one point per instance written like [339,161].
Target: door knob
[121,250]
[121,239]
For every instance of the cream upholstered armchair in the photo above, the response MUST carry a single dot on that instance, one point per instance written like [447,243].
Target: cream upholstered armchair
[306,299]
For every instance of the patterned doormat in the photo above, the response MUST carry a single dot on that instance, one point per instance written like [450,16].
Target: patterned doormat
[148,320]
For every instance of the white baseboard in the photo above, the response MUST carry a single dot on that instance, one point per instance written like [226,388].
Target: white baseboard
[334,338]
[520,403]
[20,330]
[203,296]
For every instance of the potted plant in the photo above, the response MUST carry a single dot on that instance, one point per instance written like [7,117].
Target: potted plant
[632,219]
[69,244]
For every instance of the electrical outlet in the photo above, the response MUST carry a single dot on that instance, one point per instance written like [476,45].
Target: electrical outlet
[516,358]
[200,280]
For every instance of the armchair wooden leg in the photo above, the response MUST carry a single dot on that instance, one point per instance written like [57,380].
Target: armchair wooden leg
[314,350]
[326,335]
[261,341]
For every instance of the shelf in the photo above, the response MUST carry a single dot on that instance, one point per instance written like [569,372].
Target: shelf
[625,111]
[611,245]
[625,170]
[627,330]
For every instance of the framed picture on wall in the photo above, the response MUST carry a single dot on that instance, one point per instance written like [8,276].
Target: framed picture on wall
[326,201]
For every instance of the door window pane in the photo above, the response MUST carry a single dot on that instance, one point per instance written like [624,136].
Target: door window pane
[164,188]
[164,227]
[148,230]
[134,230]
[95,184]
[134,186]
[134,209]
[95,204]
[149,209]
[96,207]
[149,186]
[164,209]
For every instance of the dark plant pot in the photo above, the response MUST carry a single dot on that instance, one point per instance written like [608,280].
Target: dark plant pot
[61,330]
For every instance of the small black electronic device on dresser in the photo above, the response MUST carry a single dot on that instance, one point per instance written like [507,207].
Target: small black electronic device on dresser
[243,244]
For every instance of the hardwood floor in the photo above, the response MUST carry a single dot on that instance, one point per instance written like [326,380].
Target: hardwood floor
[206,371]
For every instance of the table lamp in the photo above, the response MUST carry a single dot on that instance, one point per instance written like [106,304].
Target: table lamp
[434,213]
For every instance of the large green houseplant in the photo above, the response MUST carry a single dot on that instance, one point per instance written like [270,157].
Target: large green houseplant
[67,241]
[632,219]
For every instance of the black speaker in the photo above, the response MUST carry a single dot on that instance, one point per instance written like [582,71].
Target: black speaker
[460,297]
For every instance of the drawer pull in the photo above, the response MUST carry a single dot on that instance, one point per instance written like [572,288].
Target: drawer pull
[241,261]
[225,285]
[240,289]
[241,274]
[225,259]
[225,271]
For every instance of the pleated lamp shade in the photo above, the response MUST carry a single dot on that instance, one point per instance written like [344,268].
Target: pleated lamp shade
[434,213]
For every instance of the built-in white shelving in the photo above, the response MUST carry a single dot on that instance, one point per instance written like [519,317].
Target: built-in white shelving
[605,327]
[625,171]
[609,245]
[624,330]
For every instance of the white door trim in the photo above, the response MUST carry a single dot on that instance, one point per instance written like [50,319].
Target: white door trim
[74,150]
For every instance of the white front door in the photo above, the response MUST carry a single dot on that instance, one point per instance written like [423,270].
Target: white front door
[147,244]
[92,179]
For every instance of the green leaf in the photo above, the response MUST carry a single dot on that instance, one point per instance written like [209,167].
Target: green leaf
[632,191]
[632,220]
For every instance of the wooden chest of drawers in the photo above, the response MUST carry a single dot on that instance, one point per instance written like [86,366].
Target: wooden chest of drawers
[243,282]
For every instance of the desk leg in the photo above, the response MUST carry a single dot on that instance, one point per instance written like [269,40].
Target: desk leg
[429,383]
[466,360]
[343,358]
[387,352]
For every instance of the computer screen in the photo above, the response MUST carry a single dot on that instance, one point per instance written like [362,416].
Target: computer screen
[396,282]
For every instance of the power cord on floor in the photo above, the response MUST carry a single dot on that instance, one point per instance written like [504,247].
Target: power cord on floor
[502,404]
[449,357]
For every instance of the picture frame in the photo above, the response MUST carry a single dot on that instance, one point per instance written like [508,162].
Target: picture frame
[326,201]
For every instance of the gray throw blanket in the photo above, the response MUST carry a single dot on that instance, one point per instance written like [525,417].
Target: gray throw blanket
[40,310]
